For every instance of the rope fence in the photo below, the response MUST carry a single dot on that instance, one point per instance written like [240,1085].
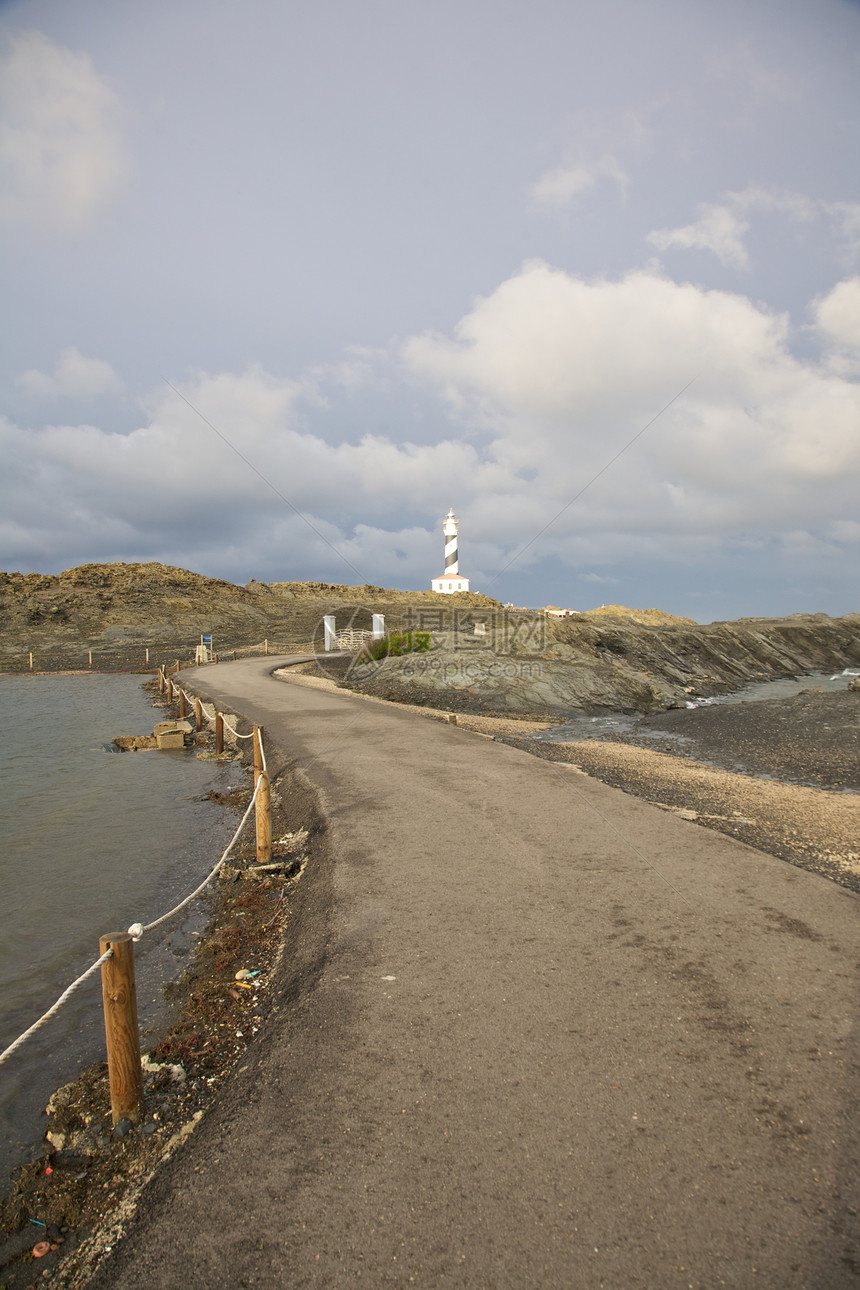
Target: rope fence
[52,1012]
[117,959]
[135,656]
[235,733]
[178,694]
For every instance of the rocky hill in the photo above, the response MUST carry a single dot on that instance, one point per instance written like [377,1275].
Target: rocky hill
[485,658]
[648,617]
[116,608]
[588,664]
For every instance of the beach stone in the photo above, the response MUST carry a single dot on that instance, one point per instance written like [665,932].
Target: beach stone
[173,1072]
[135,743]
[60,1099]
[171,734]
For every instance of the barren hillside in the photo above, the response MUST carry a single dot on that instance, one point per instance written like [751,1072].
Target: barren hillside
[126,607]
[483,658]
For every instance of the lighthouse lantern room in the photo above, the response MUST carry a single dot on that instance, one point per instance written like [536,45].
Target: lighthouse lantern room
[450,580]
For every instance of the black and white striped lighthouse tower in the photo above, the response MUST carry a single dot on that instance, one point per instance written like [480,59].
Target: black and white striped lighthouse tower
[452,557]
[450,580]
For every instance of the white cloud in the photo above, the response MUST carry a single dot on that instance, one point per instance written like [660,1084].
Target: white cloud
[756,197]
[563,373]
[722,226]
[551,347]
[175,485]
[718,228]
[847,216]
[62,156]
[837,318]
[559,187]
[547,379]
[74,376]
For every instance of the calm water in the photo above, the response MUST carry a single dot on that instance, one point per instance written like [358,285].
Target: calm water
[92,842]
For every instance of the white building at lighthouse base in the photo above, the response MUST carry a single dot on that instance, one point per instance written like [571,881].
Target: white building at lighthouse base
[449,583]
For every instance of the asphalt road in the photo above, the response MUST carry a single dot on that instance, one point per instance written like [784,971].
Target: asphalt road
[532,1032]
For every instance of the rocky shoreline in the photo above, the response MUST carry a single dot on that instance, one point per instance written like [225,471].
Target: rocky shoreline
[71,1202]
[782,776]
[596,664]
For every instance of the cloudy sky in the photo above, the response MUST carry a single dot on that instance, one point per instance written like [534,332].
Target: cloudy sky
[285,279]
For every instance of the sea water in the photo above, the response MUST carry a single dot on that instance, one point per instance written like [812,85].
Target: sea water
[92,841]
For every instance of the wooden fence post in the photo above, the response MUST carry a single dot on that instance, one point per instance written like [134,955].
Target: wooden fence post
[119,996]
[219,732]
[198,715]
[264,820]
[161,680]
[258,753]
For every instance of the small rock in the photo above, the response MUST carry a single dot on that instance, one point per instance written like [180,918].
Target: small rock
[172,1069]
[121,1128]
[88,1142]
[61,1099]
[291,842]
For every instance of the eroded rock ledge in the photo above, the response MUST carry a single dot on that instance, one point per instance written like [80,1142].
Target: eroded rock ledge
[593,664]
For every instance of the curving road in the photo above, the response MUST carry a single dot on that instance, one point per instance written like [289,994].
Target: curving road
[533,1032]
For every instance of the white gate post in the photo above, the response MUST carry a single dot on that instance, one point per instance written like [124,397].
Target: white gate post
[378,626]
[330,634]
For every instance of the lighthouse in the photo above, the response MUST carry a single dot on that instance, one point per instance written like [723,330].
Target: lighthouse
[450,580]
